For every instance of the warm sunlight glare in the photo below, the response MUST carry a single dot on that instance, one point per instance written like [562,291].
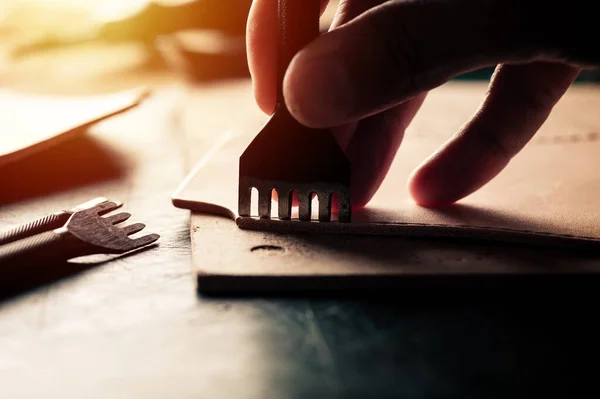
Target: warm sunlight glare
[58,12]
[101,9]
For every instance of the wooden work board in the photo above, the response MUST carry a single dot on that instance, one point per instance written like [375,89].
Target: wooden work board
[238,257]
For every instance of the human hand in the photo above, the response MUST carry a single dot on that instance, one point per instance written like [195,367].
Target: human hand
[368,76]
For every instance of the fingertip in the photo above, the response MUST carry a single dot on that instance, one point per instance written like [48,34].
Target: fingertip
[299,92]
[417,189]
[427,188]
[361,200]
[261,46]
[264,97]
[451,175]
[316,87]
[365,184]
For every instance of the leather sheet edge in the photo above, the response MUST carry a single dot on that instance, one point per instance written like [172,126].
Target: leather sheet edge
[141,94]
[479,233]
[472,232]
[421,230]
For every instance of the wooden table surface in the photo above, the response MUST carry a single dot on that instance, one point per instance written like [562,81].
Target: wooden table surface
[136,327]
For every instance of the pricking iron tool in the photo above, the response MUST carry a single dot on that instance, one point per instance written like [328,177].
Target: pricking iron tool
[287,156]
[53,221]
[86,232]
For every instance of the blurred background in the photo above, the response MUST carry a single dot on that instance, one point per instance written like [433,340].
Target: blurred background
[82,46]
[76,46]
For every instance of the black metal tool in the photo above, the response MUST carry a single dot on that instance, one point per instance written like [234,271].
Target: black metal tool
[86,232]
[287,156]
[53,221]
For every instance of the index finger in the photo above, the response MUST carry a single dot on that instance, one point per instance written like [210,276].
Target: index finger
[261,37]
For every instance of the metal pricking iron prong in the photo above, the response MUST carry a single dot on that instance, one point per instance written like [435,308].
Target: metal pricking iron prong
[286,155]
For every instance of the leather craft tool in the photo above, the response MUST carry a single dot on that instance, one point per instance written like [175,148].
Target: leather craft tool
[287,156]
[539,216]
[548,194]
[53,221]
[86,232]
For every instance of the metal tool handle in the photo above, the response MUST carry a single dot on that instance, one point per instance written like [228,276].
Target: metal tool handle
[47,245]
[47,223]
[298,25]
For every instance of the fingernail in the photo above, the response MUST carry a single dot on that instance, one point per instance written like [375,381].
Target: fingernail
[317,90]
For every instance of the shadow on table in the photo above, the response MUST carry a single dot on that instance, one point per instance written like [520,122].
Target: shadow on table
[79,161]
[426,290]
[20,278]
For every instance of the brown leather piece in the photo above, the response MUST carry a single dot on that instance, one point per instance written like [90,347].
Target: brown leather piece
[549,194]
[31,122]
[229,260]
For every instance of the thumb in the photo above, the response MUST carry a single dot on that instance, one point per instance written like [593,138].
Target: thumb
[401,48]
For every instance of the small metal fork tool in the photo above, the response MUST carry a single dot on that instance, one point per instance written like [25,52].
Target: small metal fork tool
[287,156]
[86,232]
[53,221]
